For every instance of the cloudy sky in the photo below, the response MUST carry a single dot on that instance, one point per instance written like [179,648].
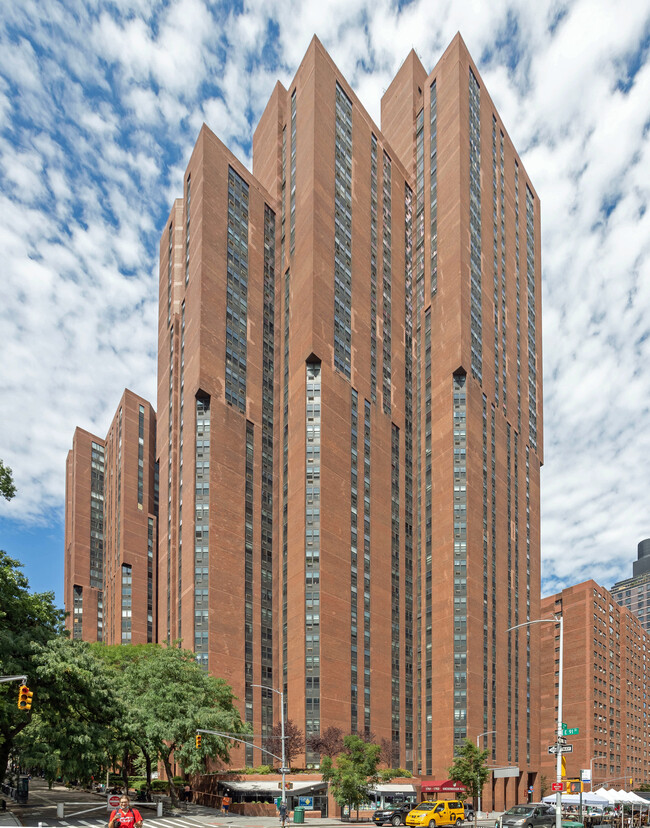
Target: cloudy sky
[100,105]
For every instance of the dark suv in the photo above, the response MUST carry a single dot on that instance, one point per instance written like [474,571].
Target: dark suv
[394,814]
[531,815]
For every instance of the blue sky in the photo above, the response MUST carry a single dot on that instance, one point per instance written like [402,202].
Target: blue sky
[100,105]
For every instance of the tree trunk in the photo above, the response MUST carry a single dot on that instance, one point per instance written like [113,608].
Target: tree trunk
[147,760]
[125,771]
[4,758]
[170,779]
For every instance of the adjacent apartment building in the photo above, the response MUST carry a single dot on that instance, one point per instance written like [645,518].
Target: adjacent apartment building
[634,592]
[350,419]
[606,653]
[111,528]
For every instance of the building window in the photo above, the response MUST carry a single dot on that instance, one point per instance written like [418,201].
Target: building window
[396,649]
[187,228]
[387,284]
[292,196]
[201,529]
[266,512]
[237,291]
[373,268]
[354,560]
[312,554]
[532,349]
[248,582]
[366,566]
[77,612]
[343,234]
[433,185]
[476,325]
[460,553]
[408,478]
[127,606]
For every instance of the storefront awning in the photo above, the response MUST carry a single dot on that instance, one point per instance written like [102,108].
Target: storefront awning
[391,788]
[442,786]
[271,786]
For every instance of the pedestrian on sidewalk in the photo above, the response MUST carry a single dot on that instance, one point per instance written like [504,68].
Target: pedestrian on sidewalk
[125,816]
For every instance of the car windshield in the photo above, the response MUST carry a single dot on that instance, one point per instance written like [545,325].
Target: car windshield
[424,806]
[520,810]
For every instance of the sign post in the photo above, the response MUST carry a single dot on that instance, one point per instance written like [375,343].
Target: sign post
[113,802]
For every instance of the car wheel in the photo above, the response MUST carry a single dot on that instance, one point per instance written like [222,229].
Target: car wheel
[396,820]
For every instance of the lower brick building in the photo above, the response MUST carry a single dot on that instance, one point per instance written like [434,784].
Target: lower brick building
[111,529]
[604,687]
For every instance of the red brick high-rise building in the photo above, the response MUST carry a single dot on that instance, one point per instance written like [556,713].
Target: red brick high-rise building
[350,418]
[604,696]
[111,529]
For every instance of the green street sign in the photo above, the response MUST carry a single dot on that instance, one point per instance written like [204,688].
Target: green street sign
[570,731]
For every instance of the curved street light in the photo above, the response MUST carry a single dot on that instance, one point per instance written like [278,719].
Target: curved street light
[557,619]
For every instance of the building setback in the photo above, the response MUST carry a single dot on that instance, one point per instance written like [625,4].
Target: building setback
[604,687]
[350,418]
[111,529]
[634,592]
[84,537]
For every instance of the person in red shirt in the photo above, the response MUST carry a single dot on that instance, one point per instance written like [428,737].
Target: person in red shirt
[125,816]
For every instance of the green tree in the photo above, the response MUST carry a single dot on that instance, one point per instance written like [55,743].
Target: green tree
[7,488]
[27,622]
[354,773]
[470,768]
[78,712]
[171,697]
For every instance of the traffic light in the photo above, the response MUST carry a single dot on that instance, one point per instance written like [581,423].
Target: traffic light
[198,740]
[574,786]
[24,697]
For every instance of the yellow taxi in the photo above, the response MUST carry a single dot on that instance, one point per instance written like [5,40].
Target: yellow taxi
[436,812]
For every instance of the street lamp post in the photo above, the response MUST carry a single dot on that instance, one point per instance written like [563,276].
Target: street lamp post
[558,619]
[283,769]
[480,787]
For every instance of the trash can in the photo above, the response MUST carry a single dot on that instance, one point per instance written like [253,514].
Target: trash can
[298,816]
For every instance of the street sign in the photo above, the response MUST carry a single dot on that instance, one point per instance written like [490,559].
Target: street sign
[561,740]
[566,748]
[570,731]
[552,748]
[556,786]
[114,801]
[585,775]
[285,770]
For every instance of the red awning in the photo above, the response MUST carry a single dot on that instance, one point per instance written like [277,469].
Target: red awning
[442,786]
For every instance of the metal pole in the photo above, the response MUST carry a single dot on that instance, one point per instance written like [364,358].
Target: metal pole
[558,619]
[485,733]
[558,755]
[284,764]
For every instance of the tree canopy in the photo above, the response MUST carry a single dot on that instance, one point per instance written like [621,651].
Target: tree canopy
[7,488]
[96,706]
[354,773]
[27,622]
[470,768]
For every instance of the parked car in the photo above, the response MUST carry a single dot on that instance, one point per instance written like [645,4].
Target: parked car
[394,814]
[436,812]
[529,815]
[469,811]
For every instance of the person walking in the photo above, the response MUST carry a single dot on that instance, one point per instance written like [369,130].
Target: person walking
[225,804]
[125,816]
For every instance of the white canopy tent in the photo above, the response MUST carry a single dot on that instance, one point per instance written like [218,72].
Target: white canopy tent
[588,798]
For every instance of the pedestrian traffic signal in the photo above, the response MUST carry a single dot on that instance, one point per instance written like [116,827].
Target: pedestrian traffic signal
[198,740]
[24,697]
[574,786]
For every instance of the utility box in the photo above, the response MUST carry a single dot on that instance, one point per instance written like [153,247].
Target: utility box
[22,790]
